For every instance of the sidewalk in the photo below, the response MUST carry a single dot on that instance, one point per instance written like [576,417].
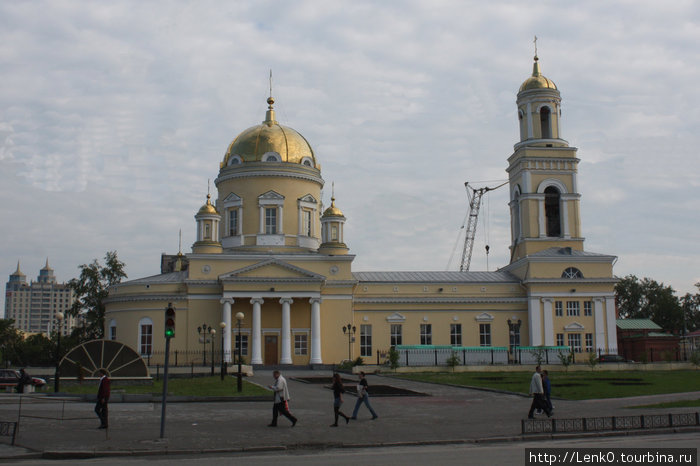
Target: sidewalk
[449,414]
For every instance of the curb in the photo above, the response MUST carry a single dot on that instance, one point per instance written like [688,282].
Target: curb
[87,454]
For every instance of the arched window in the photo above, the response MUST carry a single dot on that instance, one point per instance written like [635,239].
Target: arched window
[545,123]
[112,329]
[145,336]
[551,210]
[572,272]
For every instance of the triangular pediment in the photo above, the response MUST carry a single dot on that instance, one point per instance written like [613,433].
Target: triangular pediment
[232,198]
[574,327]
[308,198]
[396,317]
[484,317]
[271,195]
[272,270]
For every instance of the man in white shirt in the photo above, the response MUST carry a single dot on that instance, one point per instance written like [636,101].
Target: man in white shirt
[537,391]
[280,401]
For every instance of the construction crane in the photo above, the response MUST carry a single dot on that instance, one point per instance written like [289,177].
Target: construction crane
[475,196]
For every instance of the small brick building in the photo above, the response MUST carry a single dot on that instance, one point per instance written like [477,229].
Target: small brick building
[641,340]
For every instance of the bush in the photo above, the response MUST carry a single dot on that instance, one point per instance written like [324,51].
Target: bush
[358,361]
[393,358]
[592,360]
[453,360]
[695,358]
[566,359]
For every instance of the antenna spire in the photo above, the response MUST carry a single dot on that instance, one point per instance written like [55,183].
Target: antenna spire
[270,82]
[179,247]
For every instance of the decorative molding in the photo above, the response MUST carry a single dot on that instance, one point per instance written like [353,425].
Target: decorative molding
[484,317]
[396,317]
[574,327]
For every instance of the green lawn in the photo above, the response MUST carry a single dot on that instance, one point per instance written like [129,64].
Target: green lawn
[198,386]
[576,385]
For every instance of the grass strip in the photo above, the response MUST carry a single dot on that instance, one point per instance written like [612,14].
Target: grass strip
[575,385]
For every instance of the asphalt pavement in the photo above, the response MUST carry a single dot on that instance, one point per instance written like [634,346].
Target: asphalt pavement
[52,427]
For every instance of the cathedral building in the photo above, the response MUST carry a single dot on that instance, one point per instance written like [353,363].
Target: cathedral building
[268,252]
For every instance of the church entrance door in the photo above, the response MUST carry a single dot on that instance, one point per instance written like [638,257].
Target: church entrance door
[271,350]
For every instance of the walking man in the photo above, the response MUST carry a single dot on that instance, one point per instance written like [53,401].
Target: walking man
[103,392]
[280,405]
[363,397]
[537,391]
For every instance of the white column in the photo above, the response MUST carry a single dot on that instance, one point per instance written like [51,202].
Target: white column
[529,121]
[280,230]
[316,331]
[541,217]
[239,227]
[612,324]
[286,357]
[300,221]
[548,322]
[599,324]
[565,216]
[262,220]
[226,317]
[256,350]
[534,321]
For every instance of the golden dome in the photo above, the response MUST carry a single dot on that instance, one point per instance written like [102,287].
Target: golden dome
[537,80]
[257,142]
[333,211]
[208,208]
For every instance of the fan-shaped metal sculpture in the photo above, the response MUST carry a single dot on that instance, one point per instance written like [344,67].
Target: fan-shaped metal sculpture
[119,360]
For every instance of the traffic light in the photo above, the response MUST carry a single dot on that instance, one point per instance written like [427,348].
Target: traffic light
[169,321]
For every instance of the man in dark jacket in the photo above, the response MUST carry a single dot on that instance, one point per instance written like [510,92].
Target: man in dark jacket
[101,408]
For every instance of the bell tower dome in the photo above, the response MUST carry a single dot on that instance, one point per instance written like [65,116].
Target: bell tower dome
[542,172]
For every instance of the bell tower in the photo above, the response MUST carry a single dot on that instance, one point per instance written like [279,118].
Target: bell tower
[542,170]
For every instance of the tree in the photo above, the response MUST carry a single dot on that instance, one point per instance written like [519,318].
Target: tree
[691,310]
[91,290]
[10,338]
[648,299]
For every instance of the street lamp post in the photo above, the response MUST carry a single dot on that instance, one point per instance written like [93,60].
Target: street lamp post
[202,331]
[57,374]
[239,382]
[513,331]
[223,356]
[212,331]
[349,330]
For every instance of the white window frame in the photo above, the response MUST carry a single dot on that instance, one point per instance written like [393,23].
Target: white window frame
[456,334]
[560,339]
[426,334]
[574,341]
[484,334]
[146,321]
[588,308]
[589,342]
[301,344]
[244,344]
[573,308]
[366,340]
[396,334]
[558,308]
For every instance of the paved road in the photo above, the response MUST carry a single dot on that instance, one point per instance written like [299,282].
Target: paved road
[512,453]
[449,413]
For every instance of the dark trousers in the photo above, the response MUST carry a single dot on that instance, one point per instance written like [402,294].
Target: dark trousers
[280,408]
[539,402]
[102,411]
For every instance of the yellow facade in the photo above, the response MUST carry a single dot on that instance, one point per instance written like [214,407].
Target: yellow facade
[266,248]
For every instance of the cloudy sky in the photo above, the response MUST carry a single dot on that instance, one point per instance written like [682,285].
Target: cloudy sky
[113,116]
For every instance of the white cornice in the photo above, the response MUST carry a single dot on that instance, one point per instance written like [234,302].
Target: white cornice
[273,173]
[455,300]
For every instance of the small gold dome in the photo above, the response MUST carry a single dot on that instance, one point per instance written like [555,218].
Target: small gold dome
[255,142]
[333,211]
[537,80]
[208,208]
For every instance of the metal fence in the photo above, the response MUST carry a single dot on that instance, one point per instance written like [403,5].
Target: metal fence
[440,355]
[179,358]
[593,424]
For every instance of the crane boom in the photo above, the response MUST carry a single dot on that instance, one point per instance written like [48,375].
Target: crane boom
[474,206]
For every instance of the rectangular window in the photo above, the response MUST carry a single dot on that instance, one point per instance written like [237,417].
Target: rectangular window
[484,334]
[588,308]
[396,334]
[575,342]
[233,222]
[456,334]
[271,220]
[365,340]
[243,340]
[573,308]
[560,339]
[146,339]
[426,334]
[334,233]
[301,344]
[207,231]
[589,342]
[306,222]
[558,308]
[515,336]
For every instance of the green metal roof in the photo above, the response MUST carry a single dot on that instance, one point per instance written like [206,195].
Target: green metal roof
[637,324]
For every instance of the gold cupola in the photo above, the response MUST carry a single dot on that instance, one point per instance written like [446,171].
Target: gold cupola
[537,80]
[207,219]
[332,224]
[269,142]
